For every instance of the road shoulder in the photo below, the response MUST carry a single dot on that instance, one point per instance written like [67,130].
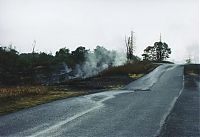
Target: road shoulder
[183,121]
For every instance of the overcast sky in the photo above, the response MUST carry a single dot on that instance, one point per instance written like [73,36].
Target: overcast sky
[72,23]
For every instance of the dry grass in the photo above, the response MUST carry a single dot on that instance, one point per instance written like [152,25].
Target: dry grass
[129,69]
[135,76]
[112,78]
[23,91]
[16,98]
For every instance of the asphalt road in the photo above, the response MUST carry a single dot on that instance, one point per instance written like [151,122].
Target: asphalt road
[140,109]
[184,119]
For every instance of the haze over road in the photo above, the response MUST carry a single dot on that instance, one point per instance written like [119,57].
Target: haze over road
[139,109]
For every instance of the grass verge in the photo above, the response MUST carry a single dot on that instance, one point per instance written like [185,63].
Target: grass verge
[16,98]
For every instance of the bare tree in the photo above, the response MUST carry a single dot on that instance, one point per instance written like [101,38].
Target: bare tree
[33,60]
[130,46]
[34,44]
[33,52]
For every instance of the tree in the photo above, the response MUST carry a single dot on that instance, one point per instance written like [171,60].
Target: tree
[79,55]
[162,51]
[8,66]
[149,53]
[159,52]
[130,45]
[62,55]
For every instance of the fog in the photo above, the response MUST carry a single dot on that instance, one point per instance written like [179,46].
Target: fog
[58,23]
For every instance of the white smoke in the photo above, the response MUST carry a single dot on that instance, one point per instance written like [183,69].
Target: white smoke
[66,68]
[98,60]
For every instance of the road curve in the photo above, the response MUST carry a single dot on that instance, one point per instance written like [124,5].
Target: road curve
[140,109]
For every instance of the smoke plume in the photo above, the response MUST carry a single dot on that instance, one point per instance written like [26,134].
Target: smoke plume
[98,60]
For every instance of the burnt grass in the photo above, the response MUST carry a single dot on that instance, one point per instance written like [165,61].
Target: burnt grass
[111,78]
[16,98]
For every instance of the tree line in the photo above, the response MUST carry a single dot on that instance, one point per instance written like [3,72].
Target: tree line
[36,68]
[159,52]
[21,68]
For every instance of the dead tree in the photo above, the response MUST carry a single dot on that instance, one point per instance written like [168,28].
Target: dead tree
[32,71]
[33,51]
[130,46]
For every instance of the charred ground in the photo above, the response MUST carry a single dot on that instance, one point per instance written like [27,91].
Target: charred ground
[14,98]
[111,78]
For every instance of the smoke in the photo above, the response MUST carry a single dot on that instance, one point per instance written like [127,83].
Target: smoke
[66,68]
[98,60]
